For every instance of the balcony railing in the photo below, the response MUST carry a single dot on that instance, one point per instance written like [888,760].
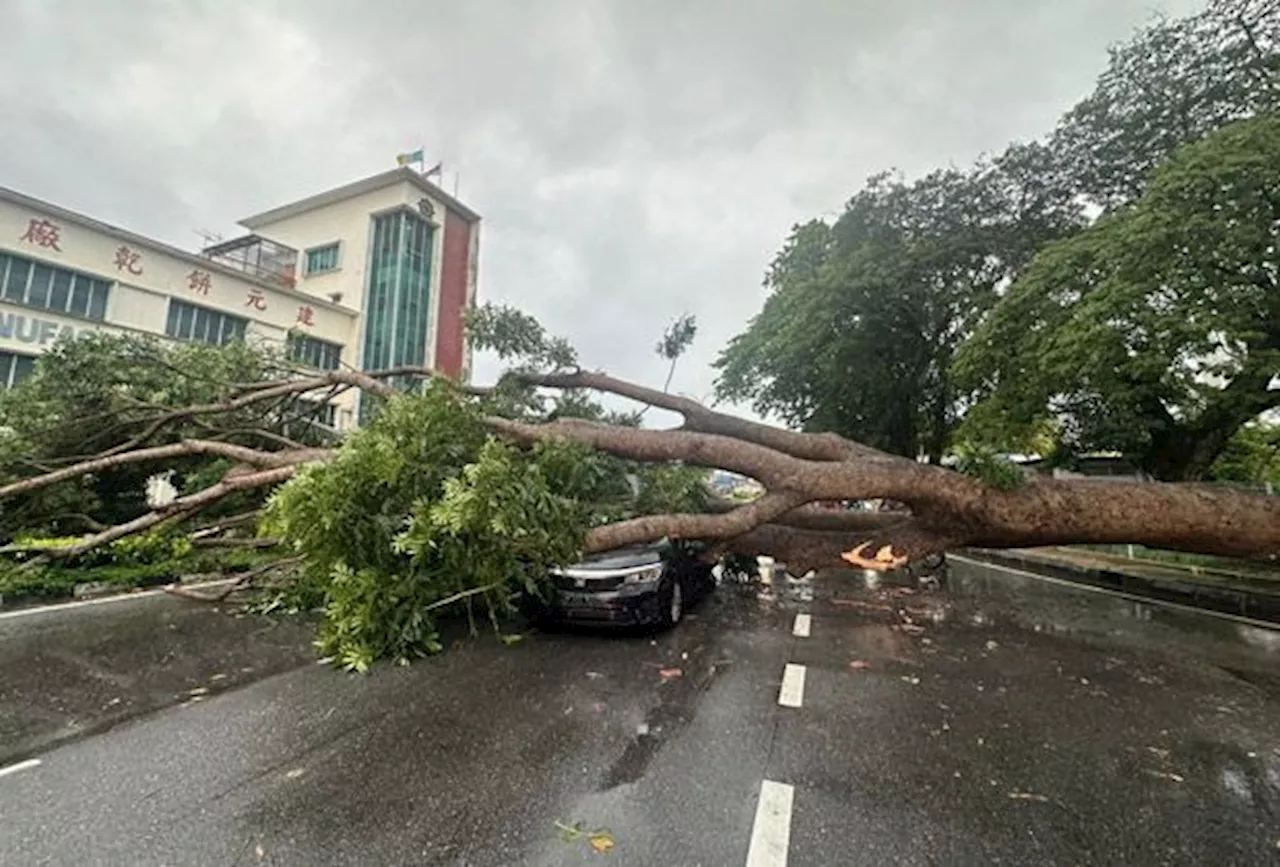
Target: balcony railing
[258,257]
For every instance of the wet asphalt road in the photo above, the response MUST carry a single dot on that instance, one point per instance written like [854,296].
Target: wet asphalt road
[1008,722]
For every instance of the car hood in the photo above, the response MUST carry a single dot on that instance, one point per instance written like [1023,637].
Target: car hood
[621,558]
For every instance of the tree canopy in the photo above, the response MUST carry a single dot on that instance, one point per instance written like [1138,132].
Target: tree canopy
[1156,330]
[860,331]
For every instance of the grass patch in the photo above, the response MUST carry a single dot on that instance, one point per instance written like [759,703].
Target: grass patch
[59,580]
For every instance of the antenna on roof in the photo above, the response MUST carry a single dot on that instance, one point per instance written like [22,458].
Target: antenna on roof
[210,238]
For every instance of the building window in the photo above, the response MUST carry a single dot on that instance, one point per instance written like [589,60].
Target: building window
[14,368]
[321,259]
[316,353]
[202,325]
[48,287]
[399,301]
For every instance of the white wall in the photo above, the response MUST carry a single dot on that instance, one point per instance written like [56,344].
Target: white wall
[139,301]
[349,223]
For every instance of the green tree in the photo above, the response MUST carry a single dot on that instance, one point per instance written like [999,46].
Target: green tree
[1251,457]
[1171,84]
[101,392]
[863,316]
[1156,331]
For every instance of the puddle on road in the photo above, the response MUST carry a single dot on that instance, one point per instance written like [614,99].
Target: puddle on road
[666,719]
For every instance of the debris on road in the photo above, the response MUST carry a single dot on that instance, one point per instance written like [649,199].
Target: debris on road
[859,665]
[600,840]
[1028,796]
[670,673]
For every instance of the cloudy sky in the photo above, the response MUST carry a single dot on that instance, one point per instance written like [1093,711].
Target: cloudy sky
[632,159]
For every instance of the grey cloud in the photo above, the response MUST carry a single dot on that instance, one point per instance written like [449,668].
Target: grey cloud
[632,160]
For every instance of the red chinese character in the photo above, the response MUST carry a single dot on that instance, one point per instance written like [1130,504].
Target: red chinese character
[257,300]
[43,233]
[199,281]
[307,315]
[128,260]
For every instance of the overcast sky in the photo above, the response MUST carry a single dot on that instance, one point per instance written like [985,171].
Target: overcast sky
[632,160]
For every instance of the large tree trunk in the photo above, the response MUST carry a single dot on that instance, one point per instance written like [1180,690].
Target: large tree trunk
[798,470]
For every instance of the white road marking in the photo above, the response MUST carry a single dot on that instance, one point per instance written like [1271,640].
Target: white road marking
[792,692]
[771,832]
[102,600]
[20,766]
[803,623]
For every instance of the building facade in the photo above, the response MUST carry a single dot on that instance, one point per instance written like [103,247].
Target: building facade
[371,275]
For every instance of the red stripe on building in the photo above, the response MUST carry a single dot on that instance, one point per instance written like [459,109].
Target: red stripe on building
[450,352]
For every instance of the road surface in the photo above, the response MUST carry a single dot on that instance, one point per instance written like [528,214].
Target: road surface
[1009,722]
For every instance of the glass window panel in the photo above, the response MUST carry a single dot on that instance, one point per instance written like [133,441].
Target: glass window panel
[81,289]
[98,300]
[186,316]
[60,296]
[200,329]
[15,284]
[171,323]
[38,292]
[23,366]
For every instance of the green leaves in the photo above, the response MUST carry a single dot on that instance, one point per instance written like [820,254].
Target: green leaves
[864,315]
[1157,330]
[1174,82]
[516,336]
[422,512]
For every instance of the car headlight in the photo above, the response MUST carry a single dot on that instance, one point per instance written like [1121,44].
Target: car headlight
[648,576]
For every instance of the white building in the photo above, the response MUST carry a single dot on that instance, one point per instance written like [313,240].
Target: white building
[371,275]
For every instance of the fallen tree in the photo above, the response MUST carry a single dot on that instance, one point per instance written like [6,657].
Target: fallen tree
[460,495]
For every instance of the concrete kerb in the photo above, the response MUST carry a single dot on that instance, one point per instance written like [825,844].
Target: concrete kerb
[1241,602]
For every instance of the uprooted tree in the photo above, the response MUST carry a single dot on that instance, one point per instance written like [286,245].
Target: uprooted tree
[458,495]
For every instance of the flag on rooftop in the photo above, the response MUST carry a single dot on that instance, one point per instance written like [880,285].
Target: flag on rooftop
[418,156]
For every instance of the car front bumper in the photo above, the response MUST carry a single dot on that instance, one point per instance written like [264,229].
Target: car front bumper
[627,606]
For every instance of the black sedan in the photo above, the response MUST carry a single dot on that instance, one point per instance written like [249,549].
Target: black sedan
[645,585]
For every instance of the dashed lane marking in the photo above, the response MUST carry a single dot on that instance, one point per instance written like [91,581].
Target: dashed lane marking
[792,692]
[803,624]
[771,831]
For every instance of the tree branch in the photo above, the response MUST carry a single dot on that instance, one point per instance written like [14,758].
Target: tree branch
[702,419]
[693,526]
[242,454]
[181,507]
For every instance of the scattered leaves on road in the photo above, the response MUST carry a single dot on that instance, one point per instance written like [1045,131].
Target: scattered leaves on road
[859,665]
[601,840]
[199,690]
[911,679]
[510,639]
[670,673]
[295,773]
[1177,778]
